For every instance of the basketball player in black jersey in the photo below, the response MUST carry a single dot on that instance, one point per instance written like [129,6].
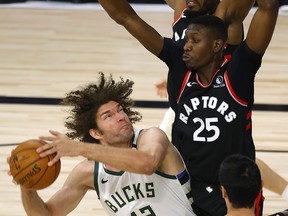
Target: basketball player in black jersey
[232,12]
[211,95]
[185,10]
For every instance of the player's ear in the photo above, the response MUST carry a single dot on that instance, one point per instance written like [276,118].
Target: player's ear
[95,133]
[218,45]
[224,193]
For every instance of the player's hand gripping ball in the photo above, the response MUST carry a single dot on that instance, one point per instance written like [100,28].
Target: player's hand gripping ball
[29,169]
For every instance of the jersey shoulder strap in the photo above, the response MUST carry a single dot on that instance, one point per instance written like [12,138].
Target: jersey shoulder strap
[135,137]
[96,174]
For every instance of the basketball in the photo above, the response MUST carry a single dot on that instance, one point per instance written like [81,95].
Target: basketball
[29,169]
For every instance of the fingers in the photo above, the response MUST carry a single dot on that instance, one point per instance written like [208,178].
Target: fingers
[8,159]
[162,93]
[161,88]
[161,84]
[47,149]
[14,182]
[55,133]
[50,141]
[9,172]
[53,161]
[51,138]
[47,138]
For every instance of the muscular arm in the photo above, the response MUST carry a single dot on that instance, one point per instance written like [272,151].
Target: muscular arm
[171,3]
[151,154]
[122,13]
[233,12]
[271,180]
[177,6]
[262,25]
[33,204]
[165,156]
[66,199]
[145,160]
[242,67]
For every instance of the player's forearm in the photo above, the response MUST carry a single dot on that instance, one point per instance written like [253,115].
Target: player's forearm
[270,5]
[239,9]
[171,3]
[122,13]
[120,158]
[233,12]
[33,204]
[262,25]
[118,10]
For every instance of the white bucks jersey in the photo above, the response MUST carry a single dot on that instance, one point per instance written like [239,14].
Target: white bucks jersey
[130,194]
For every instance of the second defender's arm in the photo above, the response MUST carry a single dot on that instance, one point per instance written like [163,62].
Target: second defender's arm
[233,12]
[122,13]
[262,25]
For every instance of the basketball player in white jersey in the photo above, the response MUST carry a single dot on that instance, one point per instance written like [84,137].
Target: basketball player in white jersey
[134,172]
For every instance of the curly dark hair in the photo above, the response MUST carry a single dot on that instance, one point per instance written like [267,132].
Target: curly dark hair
[87,100]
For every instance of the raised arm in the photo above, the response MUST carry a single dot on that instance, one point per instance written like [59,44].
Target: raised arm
[177,6]
[122,13]
[262,25]
[171,3]
[233,12]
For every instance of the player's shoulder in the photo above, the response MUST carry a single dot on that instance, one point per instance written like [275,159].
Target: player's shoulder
[82,175]
[85,166]
[150,131]
[154,134]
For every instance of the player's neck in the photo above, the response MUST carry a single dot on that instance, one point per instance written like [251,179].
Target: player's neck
[207,73]
[241,212]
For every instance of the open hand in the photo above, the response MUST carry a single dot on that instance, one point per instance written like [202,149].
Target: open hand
[58,144]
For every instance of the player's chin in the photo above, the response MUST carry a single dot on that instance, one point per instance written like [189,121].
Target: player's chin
[127,128]
[188,62]
[193,9]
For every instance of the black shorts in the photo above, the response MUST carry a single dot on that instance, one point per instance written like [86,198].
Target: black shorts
[207,200]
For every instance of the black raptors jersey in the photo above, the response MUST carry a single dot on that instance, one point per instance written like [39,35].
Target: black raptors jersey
[212,121]
[179,27]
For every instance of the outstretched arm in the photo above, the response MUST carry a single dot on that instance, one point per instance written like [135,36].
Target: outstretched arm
[151,153]
[177,6]
[271,180]
[171,3]
[262,25]
[233,12]
[122,13]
